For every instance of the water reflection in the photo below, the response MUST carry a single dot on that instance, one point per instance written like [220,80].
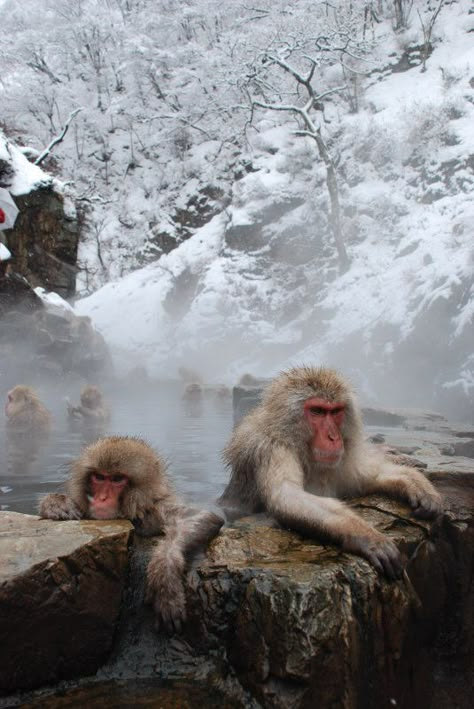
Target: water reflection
[189,434]
[22,449]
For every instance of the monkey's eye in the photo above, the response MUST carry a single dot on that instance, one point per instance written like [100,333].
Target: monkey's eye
[317,411]
[98,477]
[118,478]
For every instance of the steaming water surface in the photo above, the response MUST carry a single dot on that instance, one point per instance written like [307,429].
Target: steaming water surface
[190,436]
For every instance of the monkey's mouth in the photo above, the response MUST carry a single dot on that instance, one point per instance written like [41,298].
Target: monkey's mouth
[103,514]
[327,457]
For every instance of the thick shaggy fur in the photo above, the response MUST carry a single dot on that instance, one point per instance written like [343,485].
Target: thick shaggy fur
[151,504]
[25,411]
[273,468]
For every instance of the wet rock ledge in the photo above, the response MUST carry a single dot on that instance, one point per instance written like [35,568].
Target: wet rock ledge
[60,591]
[275,620]
[306,626]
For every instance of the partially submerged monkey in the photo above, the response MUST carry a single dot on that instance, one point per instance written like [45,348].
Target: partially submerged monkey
[303,448]
[25,412]
[92,407]
[121,477]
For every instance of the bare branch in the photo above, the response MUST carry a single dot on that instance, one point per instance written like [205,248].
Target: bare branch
[59,138]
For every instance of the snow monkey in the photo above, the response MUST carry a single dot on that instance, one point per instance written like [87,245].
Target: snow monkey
[121,477]
[303,448]
[25,412]
[91,408]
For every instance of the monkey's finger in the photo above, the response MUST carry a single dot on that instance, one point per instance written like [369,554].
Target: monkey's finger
[427,509]
[394,567]
[168,618]
[387,560]
[177,625]
[422,512]
[177,618]
[393,562]
[168,623]
[375,563]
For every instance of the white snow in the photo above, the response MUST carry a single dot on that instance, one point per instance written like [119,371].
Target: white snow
[26,175]
[4,253]
[405,167]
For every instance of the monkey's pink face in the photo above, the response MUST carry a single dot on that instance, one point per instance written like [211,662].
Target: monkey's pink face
[106,491]
[14,403]
[325,419]
[8,405]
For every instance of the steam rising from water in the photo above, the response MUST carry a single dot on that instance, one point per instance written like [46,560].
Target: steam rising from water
[189,436]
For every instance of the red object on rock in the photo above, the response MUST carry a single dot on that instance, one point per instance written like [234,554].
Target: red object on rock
[2,216]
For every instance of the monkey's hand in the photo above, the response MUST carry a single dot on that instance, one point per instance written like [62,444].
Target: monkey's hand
[382,553]
[74,412]
[165,590]
[59,507]
[425,504]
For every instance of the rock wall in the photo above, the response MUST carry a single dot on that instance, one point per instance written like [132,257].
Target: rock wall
[44,241]
[44,238]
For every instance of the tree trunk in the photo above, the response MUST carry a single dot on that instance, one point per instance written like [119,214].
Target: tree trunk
[333,189]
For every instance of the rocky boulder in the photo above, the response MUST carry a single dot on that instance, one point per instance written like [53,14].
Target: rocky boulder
[302,625]
[42,341]
[280,621]
[60,592]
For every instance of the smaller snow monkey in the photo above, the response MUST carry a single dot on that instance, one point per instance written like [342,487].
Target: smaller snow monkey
[25,412]
[120,477]
[91,408]
[303,448]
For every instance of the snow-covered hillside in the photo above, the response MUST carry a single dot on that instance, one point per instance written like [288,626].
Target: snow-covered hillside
[403,313]
[258,286]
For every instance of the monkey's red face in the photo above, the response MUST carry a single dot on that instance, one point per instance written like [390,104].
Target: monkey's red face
[325,419]
[8,405]
[106,491]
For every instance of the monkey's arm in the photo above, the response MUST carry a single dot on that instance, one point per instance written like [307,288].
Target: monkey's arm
[74,412]
[281,486]
[88,413]
[166,570]
[58,506]
[405,483]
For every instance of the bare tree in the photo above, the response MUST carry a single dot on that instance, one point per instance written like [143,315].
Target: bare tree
[402,13]
[307,104]
[313,130]
[427,32]
[58,139]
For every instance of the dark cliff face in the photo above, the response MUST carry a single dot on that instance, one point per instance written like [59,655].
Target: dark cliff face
[44,241]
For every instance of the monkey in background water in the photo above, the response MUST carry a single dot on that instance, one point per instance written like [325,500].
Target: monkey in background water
[92,408]
[25,411]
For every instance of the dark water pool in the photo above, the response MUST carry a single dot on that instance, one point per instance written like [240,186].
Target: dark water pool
[190,435]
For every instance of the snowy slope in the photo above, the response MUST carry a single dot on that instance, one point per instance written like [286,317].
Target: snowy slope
[404,309]
[258,287]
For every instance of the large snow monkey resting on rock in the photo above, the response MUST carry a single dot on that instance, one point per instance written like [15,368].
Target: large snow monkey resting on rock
[303,448]
[120,477]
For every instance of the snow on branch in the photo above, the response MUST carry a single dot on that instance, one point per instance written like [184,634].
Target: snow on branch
[58,139]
